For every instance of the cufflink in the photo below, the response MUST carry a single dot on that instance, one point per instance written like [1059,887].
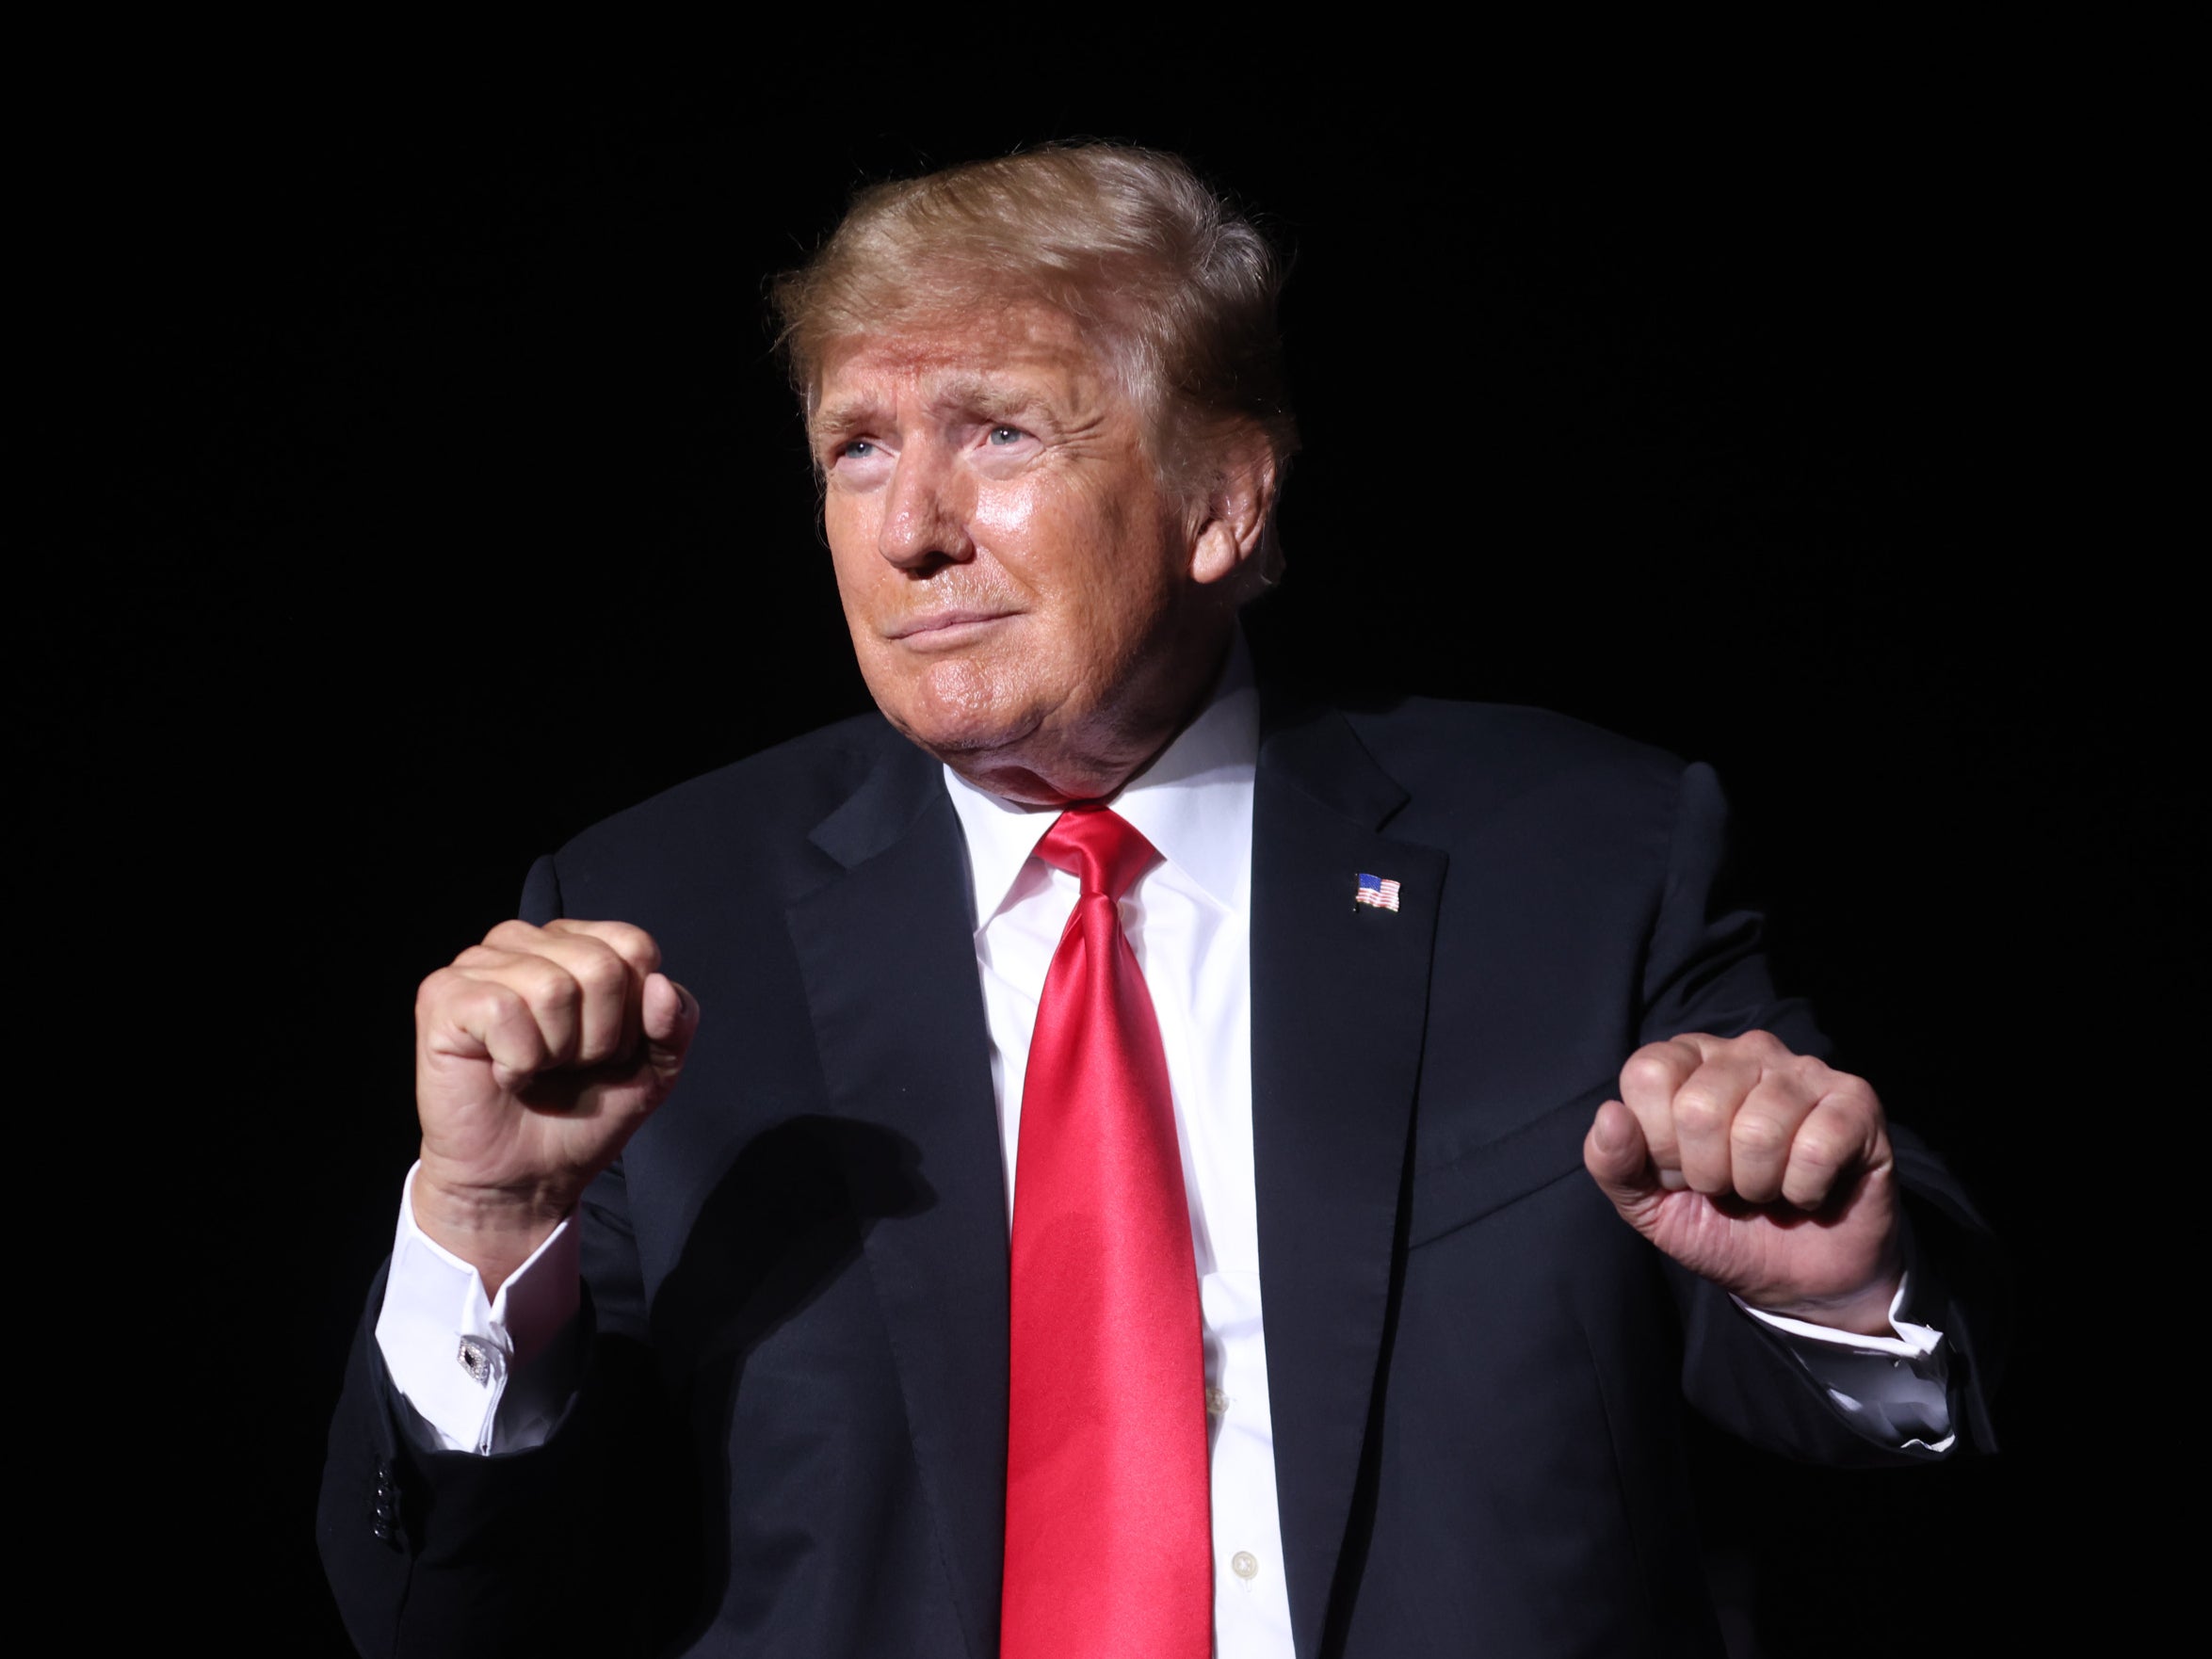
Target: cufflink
[476,1358]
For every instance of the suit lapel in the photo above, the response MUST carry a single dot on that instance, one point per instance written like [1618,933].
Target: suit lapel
[1340,995]
[886,956]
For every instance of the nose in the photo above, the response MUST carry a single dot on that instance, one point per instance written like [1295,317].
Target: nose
[926,516]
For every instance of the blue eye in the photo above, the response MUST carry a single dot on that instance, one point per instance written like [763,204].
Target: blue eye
[856,448]
[1005,435]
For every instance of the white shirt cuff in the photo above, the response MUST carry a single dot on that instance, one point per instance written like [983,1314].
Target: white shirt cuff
[1894,1389]
[482,1373]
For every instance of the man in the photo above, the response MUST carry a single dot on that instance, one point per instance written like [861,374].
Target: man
[1314,1061]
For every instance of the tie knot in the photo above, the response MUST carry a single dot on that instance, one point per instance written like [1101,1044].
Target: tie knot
[1100,848]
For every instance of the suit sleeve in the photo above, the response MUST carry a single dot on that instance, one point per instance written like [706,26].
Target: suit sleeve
[1706,970]
[547,1551]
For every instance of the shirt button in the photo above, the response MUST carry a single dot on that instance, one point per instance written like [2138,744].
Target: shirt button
[1217,1403]
[1245,1564]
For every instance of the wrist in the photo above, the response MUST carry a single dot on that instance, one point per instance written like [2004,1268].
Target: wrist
[494,1229]
[1865,1311]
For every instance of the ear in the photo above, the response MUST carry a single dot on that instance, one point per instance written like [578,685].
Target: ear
[1235,515]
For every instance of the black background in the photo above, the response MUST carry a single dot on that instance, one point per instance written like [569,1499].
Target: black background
[414,488]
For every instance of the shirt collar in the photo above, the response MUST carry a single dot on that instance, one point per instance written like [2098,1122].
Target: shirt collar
[1193,803]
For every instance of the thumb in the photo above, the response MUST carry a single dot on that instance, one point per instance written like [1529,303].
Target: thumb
[1619,1160]
[671,1019]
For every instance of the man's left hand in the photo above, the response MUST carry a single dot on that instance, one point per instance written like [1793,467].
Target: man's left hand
[1762,1170]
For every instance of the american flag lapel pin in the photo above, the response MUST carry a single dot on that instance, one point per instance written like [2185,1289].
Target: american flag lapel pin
[1375,891]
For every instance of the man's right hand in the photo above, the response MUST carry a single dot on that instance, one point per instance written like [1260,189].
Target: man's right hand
[538,1053]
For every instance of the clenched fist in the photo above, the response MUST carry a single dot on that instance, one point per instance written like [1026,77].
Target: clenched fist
[537,1053]
[1762,1170]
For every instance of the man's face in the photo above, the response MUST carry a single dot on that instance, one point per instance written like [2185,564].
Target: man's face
[1019,586]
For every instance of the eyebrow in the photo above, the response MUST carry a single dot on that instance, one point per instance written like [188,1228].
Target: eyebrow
[994,399]
[977,394]
[839,421]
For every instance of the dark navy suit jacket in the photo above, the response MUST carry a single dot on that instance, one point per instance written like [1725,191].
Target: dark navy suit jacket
[791,1439]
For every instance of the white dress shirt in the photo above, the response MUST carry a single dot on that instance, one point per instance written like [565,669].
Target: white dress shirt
[487,1374]
[1188,920]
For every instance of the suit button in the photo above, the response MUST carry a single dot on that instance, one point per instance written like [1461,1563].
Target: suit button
[384,1504]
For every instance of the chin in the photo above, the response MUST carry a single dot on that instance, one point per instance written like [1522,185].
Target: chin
[956,709]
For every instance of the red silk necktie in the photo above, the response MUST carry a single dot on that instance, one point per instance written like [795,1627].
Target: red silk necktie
[1109,1532]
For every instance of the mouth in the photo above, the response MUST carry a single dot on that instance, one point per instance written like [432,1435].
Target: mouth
[946,630]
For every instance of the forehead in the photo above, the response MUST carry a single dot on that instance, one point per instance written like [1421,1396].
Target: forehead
[991,358]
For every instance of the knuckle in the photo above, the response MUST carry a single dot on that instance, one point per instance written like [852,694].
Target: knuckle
[437,991]
[1817,1074]
[634,944]
[1848,1104]
[483,1004]
[1759,1134]
[1700,1112]
[535,984]
[1854,1095]
[499,997]
[602,976]
[1853,1114]
[554,989]
[1821,1150]
[1648,1068]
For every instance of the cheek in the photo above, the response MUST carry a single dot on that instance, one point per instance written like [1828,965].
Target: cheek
[851,536]
[1009,521]
[1127,574]
[1070,550]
